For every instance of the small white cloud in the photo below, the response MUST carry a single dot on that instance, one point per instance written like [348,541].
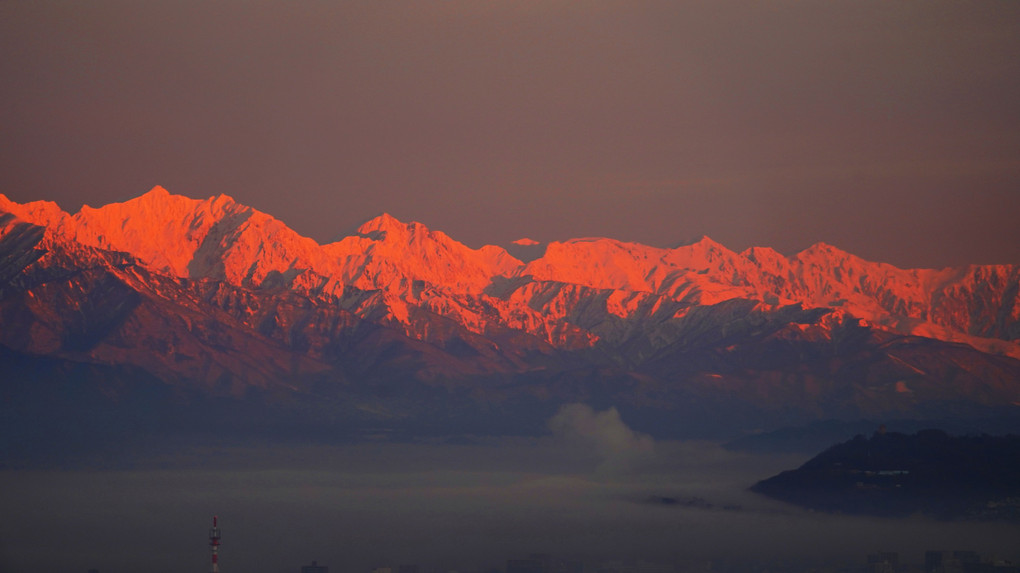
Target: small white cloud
[602,433]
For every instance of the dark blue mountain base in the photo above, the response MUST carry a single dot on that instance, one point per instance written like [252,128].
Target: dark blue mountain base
[896,475]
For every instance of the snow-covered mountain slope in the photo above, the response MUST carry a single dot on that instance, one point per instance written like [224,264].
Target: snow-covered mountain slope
[220,294]
[218,238]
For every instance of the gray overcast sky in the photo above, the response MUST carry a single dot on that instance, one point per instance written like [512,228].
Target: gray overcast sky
[889,129]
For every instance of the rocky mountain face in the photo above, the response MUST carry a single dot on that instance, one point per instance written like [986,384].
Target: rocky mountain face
[212,301]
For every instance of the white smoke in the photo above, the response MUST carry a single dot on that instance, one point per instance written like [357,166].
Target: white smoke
[603,434]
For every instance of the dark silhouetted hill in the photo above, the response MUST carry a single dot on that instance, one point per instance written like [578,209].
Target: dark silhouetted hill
[894,474]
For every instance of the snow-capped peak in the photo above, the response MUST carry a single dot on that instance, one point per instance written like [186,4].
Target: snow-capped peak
[42,213]
[525,242]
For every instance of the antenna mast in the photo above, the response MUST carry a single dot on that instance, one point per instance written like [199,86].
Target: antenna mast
[214,542]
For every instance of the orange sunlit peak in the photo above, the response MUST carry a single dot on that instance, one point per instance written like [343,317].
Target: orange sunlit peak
[526,242]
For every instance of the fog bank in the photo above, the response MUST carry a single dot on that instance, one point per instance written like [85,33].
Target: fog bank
[459,506]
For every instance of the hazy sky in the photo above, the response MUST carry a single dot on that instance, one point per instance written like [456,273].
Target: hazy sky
[889,129]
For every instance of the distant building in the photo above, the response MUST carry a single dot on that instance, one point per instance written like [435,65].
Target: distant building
[883,562]
[408,569]
[314,568]
[621,566]
[525,566]
[543,563]
[951,561]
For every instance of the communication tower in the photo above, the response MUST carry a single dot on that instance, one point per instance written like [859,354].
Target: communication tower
[214,543]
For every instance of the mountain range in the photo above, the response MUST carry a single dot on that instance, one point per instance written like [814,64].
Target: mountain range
[173,309]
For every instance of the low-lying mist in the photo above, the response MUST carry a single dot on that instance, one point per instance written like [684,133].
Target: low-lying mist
[593,490]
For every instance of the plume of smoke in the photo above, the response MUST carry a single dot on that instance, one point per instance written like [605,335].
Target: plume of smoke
[603,434]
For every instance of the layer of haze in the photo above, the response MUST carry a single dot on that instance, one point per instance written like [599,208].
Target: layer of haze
[889,129]
[589,491]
